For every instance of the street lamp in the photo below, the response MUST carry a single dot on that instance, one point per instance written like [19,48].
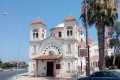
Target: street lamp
[6,14]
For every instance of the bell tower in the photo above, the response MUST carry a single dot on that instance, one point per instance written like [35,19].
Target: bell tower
[37,30]
[37,33]
[70,28]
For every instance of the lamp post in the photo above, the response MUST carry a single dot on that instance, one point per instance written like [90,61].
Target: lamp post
[6,14]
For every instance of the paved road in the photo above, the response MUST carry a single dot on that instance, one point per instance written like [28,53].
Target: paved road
[6,75]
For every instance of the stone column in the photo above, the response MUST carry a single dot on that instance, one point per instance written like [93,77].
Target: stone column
[36,68]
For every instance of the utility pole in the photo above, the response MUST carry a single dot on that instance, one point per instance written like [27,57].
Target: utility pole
[87,45]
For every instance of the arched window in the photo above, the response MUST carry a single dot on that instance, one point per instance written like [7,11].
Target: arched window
[69,65]
[67,32]
[59,34]
[42,35]
[35,33]
[33,67]
[81,33]
[71,32]
[69,47]
[51,52]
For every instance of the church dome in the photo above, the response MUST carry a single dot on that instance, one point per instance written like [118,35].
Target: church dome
[60,25]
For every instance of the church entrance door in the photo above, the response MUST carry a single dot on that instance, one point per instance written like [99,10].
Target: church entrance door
[50,68]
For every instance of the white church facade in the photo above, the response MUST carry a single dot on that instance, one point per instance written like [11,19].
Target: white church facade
[58,54]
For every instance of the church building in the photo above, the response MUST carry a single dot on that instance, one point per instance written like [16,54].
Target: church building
[61,54]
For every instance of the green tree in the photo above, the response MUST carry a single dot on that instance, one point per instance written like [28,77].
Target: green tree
[113,44]
[108,61]
[86,29]
[117,61]
[115,41]
[7,66]
[0,61]
[102,13]
[1,64]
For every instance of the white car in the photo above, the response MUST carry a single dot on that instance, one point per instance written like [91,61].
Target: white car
[1,70]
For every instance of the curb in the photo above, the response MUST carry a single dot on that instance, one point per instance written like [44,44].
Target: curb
[18,76]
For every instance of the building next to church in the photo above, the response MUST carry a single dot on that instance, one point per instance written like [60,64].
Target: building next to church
[61,54]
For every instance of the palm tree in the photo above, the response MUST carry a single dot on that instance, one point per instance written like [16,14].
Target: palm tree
[102,13]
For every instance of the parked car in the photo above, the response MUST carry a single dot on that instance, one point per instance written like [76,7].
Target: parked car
[103,75]
[1,70]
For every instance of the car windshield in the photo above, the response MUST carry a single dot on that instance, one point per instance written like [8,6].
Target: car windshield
[96,74]
[106,74]
[117,73]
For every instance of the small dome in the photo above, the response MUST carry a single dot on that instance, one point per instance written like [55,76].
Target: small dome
[60,25]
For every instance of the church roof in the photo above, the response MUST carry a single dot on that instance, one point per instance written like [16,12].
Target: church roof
[38,21]
[82,43]
[90,40]
[81,28]
[70,18]
[47,57]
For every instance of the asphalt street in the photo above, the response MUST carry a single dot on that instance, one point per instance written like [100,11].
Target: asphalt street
[7,74]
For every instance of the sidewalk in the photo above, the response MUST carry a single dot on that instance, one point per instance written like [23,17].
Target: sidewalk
[26,77]
[45,78]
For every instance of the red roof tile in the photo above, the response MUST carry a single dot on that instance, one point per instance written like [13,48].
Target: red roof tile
[47,57]
[80,28]
[70,18]
[38,22]
[82,43]
[90,40]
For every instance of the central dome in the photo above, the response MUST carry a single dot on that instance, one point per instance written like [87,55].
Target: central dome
[60,25]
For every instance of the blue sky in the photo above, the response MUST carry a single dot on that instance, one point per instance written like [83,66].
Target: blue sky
[22,13]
